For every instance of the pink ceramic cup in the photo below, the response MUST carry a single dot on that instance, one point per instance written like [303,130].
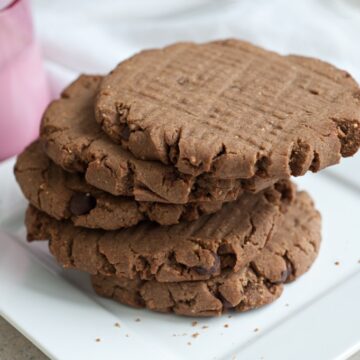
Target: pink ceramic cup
[23,88]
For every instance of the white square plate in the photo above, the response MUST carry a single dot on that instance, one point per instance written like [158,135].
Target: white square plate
[317,317]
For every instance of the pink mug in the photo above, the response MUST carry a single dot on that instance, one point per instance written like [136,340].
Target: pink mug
[23,87]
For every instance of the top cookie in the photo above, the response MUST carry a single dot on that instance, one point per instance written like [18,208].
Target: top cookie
[231,109]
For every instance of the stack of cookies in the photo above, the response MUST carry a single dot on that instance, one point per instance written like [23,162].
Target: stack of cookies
[168,179]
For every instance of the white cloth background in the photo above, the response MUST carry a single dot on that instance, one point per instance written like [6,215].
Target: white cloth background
[93,36]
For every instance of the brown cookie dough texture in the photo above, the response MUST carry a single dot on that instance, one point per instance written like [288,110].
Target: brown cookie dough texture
[286,256]
[231,109]
[65,195]
[227,239]
[73,140]
[244,289]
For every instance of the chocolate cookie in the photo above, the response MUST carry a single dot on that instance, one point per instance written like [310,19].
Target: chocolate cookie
[239,291]
[287,255]
[65,195]
[231,109]
[74,140]
[230,238]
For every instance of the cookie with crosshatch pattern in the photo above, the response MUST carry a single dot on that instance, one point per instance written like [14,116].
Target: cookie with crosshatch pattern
[231,109]
[287,255]
[197,250]
[65,195]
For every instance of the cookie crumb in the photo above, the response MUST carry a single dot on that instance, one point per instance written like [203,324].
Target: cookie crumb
[138,320]
[194,323]
[256,329]
[204,327]
[192,160]
[337,263]
[189,343]
[230,316]
[117,324]
[226,325]
[97,339]
[127,335]
[195,335]
[287,305]
[359,261]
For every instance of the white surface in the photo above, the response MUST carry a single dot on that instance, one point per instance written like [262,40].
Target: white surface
[59,312]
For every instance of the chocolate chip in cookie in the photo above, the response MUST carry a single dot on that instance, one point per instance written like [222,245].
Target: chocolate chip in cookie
[82,203]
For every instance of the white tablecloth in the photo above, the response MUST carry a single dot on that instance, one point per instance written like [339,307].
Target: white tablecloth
[92,36]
